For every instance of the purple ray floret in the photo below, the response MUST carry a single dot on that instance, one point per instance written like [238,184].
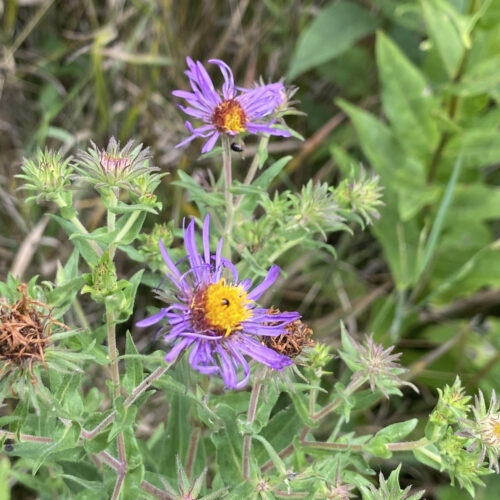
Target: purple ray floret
[230,111]
[217,319]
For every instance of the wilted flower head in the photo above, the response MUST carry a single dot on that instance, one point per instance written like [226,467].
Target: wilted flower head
[115,167]
[230,111]
[371,361]
[291,344]
[485,429]
[217,318]
[24,332]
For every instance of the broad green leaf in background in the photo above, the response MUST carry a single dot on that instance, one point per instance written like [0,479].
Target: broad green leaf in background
[447,31]
[336,28]
[406,98]
[479,147]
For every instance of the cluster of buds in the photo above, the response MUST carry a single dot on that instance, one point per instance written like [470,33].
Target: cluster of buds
[48,177]
[316,209]
[453,406]
[148,244]
[360,196]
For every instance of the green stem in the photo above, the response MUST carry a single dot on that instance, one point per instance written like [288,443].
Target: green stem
[112,223]
[126,227]
[252,409]
[254,166]
[228,179]
[452,109]
[78,224]
[113,357]
[350,389]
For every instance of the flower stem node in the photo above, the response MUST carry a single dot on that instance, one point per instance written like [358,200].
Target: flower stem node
[102,282]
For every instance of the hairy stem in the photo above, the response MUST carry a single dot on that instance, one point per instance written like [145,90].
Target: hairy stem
[252,408]
[145,384]
[253,167]
[193,448]
[228,180]
[353,386]
[113,357]
[452,109]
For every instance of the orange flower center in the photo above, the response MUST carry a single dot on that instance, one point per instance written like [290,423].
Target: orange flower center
[220,307]
[229,116]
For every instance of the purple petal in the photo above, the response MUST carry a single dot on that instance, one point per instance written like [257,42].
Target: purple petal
[192,251]
[262,354]
[177,349]
[228,89]
[152,319]
[210,143]
[272,274]
[206,239]
[255,128]
[240,361]
[227,369]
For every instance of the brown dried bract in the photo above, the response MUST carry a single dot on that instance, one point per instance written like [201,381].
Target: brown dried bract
[24,332]
[291,343]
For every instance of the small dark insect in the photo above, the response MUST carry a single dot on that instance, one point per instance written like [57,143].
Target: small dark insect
[236,147]
[8,445]
[225,302]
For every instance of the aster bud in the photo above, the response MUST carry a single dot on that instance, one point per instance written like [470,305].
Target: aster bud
[114,167]
[48,177]
[360,196]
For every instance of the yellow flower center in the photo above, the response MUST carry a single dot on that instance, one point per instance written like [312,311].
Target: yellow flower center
[229,116]
[496,429]
[220,307]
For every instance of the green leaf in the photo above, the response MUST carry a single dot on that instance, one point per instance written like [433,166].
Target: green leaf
[428,455]
[4,478]
[133,367]
[336,28]
[479,147]
[273,455]
[197,193]
[406,98]
[439,220]
[228,443]
[398,431]
[445,26]
[64,438]
[81,244]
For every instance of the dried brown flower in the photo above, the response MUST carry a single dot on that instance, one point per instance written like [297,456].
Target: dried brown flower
[291,343]
[24,332]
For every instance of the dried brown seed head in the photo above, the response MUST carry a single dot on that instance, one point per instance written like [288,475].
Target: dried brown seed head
[24,332]
[291,343]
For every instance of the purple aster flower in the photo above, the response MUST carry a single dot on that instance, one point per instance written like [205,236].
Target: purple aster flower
[216,319]
[232,111]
